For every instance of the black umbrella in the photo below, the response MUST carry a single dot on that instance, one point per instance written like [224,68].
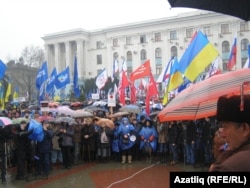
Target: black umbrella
[237,8]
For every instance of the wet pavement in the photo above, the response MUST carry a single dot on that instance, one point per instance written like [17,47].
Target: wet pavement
[103,175]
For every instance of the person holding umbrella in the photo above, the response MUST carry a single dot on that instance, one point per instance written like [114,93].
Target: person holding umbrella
[24,149]
[233,114]
[44,149]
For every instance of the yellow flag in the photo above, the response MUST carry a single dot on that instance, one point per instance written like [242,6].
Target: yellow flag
[165,97]
[8,92]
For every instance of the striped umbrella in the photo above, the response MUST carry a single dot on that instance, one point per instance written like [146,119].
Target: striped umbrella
[200,99]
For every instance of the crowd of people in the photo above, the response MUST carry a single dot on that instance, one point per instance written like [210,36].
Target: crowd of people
[142,138]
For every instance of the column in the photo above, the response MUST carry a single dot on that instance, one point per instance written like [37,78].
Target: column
[79,44]
[57,53]
[47,56]
[69,59]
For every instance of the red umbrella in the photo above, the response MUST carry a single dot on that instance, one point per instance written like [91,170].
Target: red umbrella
[76,104]
[43,118]
[200,100]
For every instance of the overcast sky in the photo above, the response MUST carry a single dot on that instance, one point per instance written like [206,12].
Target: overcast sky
[24,22]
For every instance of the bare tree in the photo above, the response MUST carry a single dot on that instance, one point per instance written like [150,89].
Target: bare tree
[23,72]
[32,56]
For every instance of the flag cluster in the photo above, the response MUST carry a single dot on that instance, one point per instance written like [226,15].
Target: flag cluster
[46,85]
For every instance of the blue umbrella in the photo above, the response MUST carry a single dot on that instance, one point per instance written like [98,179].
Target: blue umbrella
[37,134]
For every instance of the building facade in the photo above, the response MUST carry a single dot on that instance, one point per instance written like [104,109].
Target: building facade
[157,40]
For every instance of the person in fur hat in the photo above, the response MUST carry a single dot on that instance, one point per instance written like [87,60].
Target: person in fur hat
[234,115]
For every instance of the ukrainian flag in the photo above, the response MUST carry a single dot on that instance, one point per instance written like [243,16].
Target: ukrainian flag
[2,102]
[176,78]
[8,92]
[199,54]
[15,94]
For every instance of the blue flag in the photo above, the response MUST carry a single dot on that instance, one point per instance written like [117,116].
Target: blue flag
[62,79]
[42,75]
[75,80]
[2,69]
[51,81]
[42,92]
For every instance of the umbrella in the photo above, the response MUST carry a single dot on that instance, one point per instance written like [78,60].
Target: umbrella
[99,103]
[33,107]
[118,114]
[43,118]
[58,120]
[237,8]
[37,131]
[94,108]
[76,104]
[131,108]
[105,122]
[19,120]
[54,104]
[200,100]
[154,113]
[65,110]
[6,121]
[82,113]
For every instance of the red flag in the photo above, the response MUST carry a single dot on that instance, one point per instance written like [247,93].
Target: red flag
[124,83]
[141,71]
[122,96]
[152,91]
[132,94]
[232,58]
[141,86]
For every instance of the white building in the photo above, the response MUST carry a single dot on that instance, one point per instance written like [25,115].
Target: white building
[156,40]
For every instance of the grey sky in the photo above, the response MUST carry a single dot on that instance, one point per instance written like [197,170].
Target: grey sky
[24,22]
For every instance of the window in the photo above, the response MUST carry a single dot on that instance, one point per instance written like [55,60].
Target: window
[244,45]
[142,38]
[174,52]
[189,32]
[99,71]
[173,35]
[244,26]
[128,40]
[115,55]
[206,30]
[225,47]
[115,42]
[224,64]
[99,59]
[129,56]
[158,69]
[224,28]
[158,53]
[243,61]
[143,55]
[98,44]
[157,37]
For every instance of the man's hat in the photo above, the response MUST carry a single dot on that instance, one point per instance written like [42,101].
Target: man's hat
[229,109]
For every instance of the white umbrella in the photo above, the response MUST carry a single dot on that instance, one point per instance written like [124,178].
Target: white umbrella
[65,110]
[82,113]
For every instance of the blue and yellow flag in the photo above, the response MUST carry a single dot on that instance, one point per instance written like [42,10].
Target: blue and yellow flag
[176,78]
[8,92]
[2,102]
[199,54]
[15,93]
